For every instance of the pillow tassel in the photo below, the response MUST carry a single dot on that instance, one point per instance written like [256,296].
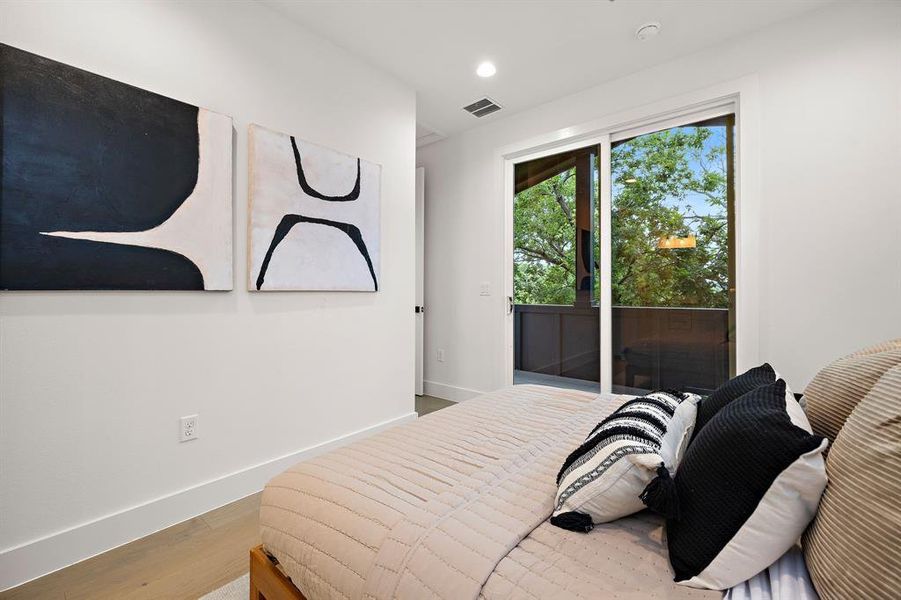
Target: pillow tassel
[573,521]
[660,495]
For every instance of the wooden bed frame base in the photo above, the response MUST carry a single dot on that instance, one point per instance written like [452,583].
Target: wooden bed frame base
[267,582]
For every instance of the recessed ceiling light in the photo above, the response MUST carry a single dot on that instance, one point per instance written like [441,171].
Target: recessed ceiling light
[648,30]
[486,69]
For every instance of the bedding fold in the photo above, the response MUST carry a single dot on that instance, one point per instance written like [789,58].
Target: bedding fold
[450,547]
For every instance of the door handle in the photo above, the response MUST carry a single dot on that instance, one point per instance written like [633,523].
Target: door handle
[419,309]
[509,305]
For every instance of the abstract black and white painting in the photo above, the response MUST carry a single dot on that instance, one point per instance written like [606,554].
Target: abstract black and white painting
[314,216]
[106,186]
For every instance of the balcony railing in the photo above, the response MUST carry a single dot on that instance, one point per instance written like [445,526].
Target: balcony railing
[653,348]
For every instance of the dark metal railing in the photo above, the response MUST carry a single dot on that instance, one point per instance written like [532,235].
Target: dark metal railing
[653,348]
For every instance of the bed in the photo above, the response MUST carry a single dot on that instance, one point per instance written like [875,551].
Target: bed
[455,505]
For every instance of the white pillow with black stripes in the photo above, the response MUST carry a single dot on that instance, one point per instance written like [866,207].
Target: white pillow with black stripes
[640,442]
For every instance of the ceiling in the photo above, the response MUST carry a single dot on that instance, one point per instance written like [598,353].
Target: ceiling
[542,49]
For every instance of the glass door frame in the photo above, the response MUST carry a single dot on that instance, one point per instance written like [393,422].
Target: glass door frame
[745,221]
[601,140]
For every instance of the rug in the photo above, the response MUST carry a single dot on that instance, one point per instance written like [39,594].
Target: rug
[238,589]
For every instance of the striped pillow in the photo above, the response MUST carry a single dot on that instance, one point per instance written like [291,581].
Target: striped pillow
[852,548]
[835,391]
[603,479]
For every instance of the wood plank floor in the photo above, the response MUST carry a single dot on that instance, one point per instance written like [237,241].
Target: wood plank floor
[182,562]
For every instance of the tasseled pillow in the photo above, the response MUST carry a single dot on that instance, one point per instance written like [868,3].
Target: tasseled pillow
[626,461]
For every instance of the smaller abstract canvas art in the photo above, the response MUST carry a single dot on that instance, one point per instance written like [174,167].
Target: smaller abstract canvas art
[314,216]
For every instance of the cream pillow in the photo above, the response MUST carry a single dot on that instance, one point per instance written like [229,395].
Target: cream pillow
[836,389]
[642,441]
[852,546]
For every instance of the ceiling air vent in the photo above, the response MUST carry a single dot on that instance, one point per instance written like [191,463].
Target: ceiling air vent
[482,107]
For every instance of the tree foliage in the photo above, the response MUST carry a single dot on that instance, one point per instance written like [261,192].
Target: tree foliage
[544,258]
[672,171]
[666,183]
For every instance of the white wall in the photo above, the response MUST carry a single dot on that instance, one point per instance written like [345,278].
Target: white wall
[829,201]
[93,384]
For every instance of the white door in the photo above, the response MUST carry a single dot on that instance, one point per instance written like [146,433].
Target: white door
[420,284]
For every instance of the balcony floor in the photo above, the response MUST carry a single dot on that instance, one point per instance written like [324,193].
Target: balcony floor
[528,377]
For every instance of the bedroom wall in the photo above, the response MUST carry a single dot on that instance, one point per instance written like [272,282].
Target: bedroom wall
[830,225]
[92,384]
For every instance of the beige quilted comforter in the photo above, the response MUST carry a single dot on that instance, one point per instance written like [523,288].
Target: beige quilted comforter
[455,505]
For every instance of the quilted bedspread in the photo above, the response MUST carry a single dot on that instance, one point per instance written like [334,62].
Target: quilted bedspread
[455,505]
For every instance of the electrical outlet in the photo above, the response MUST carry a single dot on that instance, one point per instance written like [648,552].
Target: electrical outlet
[440,354]
[188,429]
[485,288]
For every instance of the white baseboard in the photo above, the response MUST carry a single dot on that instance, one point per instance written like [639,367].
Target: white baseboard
[39,557]
[448,392]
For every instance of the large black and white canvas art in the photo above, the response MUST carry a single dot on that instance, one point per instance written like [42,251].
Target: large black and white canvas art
[314,216]
[106,186]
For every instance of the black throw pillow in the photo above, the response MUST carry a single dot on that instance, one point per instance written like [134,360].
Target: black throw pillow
[747,487]
[731,390]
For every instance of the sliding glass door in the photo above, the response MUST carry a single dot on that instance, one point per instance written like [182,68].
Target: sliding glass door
[555,311]
[623,261]
[672,279]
